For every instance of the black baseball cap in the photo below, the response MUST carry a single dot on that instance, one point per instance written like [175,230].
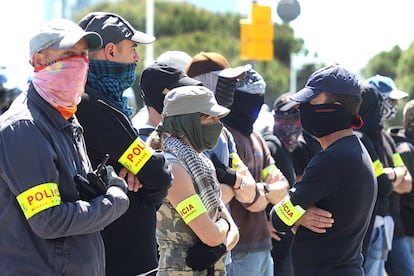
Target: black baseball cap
[158,76]
[113,28]
[284,104]
[334,79]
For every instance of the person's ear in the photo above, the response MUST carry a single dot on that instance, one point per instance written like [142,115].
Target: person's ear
[109,51]
[38,59]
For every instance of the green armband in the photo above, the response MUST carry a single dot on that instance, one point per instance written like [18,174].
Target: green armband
[398,162]
[191,208]
[378,168]
[287,212]
[236,162]
[269,169]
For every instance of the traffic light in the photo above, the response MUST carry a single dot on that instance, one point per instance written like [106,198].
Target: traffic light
[256,34]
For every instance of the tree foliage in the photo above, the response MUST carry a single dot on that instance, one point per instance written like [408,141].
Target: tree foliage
[384,63]
[398,65]
[183,26]
[404,72]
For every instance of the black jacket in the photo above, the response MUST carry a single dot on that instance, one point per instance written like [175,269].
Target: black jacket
[405,146]
[130,241]
[380,146]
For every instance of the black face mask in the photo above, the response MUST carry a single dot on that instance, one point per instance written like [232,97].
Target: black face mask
[323,119]
[244,111]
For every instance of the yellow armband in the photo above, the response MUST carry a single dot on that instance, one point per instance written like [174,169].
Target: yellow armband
[396,158]
[288,213]
[191,208]
[135,157]
[269,169]
[39,198]
[236,162]
[378,168]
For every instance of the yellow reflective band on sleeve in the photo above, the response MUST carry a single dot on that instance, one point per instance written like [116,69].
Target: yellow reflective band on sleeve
[236,162]
[135,157]
[190,208]
[378,168]
[39,198]
[396,157]
[288,213]
[269,169]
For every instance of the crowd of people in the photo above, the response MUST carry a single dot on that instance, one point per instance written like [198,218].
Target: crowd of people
[192,185]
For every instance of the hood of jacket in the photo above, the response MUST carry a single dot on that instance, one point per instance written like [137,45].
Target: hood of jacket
[370,111]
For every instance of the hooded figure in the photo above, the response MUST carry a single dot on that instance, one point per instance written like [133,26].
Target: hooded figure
[384,156]
[247,102]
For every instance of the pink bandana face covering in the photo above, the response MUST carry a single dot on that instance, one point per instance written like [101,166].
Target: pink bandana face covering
[62,83]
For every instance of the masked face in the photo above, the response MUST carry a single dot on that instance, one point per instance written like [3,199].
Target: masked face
[323,119]
[62,83]
[211,133]
[288,128]
[389,109]
[202,134]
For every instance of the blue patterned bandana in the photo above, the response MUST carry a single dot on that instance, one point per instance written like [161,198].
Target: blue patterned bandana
[112,78]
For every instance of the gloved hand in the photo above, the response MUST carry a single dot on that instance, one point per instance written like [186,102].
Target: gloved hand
[201,256]
[156,177]
[225,174]
[88,190]
[110,178]
[95,186]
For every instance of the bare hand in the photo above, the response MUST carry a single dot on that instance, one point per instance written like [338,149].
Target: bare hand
[132,180]
[316,220]
[274,176]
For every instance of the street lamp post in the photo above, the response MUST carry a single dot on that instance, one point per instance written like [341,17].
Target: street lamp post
[149,29]
[297,62]
[289,10]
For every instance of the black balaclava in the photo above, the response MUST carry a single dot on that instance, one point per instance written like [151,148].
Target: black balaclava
[248,100]
[244,112]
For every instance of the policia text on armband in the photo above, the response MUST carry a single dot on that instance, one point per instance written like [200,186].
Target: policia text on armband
[39,198]
[191,208]
[287,212]
[136,155]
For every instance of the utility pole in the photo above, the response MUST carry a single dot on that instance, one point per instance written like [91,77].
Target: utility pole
[149,29]
[289,10]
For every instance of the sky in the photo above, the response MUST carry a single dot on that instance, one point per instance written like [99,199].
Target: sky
[18,19]
[347,32]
